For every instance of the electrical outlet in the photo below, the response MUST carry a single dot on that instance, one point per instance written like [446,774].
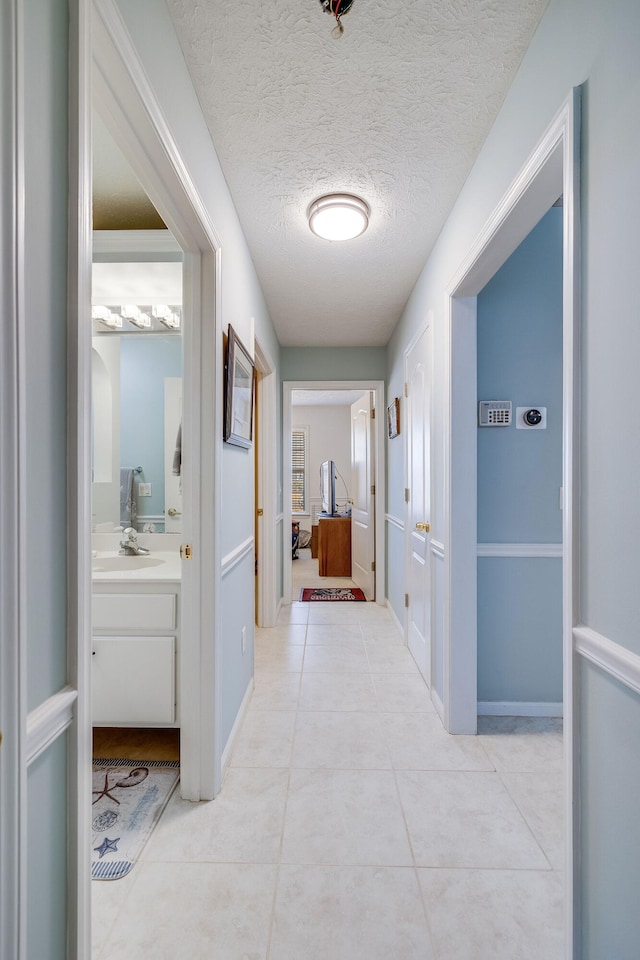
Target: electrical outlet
[144,489]
[243,639]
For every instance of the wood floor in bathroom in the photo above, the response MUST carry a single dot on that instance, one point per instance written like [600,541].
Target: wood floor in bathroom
[136,744]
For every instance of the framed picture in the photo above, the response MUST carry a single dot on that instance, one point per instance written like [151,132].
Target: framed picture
[393,418]
[238,394]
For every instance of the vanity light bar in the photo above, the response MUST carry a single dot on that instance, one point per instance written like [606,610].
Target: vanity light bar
[106,316]
[166,315]
[135,315]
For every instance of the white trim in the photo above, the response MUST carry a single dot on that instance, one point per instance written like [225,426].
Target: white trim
[237,726]
[378,387]
[280,518]
[13,649]
[267,485]
[48,721]
[518,708]
[547,550]
[437,549]
[117,243]
[71,708]
[237,555]
[614,659]
[397,622]
[437,702]
[552,169]
[394,521]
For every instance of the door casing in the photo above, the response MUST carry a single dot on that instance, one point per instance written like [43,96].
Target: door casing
[378,387]
[129,107]
[552,170]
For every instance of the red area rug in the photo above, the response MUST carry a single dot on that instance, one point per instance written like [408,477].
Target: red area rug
[308,594]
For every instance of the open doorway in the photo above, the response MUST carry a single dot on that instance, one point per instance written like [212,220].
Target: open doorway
[335,427]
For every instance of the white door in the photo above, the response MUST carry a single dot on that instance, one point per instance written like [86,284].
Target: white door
[173,454]
[418,503]
[362,511]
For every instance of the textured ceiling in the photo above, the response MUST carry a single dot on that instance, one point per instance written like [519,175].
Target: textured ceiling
[395,111]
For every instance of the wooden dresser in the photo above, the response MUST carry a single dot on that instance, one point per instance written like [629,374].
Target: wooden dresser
[334,546]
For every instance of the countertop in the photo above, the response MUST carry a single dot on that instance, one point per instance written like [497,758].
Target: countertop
[168,568]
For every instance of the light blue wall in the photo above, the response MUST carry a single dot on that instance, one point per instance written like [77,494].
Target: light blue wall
[519,335]
[333,363]
[47,809]
[242,305]
[520,629]
[145,361]
[589,43]
[237,668]
[45,345]
[520,359]
[610,787]
[44,96]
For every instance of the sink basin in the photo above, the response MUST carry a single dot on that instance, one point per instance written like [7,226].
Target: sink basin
[115,564]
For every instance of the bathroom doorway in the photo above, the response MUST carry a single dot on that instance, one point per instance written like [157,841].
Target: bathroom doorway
[126,110]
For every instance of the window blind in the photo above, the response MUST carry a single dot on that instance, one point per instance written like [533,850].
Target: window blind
[298,471]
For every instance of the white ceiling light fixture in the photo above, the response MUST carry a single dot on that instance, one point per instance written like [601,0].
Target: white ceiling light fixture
[338,216]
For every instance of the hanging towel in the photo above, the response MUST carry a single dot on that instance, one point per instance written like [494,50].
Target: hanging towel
[128,512]
[177,454]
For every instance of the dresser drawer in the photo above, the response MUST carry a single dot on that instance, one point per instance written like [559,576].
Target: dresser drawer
[134,611]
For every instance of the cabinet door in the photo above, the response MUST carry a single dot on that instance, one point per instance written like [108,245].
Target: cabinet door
[133,680]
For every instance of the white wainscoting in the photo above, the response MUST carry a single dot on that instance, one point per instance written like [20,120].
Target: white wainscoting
[394,521]
[395,619]
[518,708]
[236,556]
[614,659]
[437,549]
[48,721]
[520,550]
[237,725]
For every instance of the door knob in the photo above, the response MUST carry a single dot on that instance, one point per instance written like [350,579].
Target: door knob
[423,526]
[173,512]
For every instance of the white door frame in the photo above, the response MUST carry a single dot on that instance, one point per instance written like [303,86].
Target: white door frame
[128,103]
[378,387]
[25,736]
[552,169]
[266,429]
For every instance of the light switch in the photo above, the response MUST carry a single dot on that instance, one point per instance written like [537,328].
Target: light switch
[144,489]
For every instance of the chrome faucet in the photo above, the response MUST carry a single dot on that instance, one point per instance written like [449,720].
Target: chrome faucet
[130,546]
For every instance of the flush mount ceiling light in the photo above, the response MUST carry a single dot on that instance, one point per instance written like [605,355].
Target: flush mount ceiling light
[338,216]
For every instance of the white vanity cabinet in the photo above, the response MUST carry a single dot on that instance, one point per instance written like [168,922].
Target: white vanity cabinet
[135,653]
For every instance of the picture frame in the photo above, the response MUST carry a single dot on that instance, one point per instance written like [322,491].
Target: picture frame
[393,418]
[238,393]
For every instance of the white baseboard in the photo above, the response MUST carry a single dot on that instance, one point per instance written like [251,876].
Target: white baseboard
[518,708]
[394,617]
[235,730]
[437,702]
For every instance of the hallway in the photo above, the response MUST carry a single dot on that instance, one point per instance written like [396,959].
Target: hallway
[350,825]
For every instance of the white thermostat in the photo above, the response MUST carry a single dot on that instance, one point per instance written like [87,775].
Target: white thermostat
[494,413]
[531,418]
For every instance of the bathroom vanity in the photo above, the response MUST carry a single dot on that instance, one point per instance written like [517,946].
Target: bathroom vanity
[136,637]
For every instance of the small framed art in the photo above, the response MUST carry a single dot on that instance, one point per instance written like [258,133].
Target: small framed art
[238,395]
[393,418]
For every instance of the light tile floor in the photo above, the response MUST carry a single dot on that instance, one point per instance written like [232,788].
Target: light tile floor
[350,825]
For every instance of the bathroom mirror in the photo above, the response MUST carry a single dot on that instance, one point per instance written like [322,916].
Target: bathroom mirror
[136,391]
